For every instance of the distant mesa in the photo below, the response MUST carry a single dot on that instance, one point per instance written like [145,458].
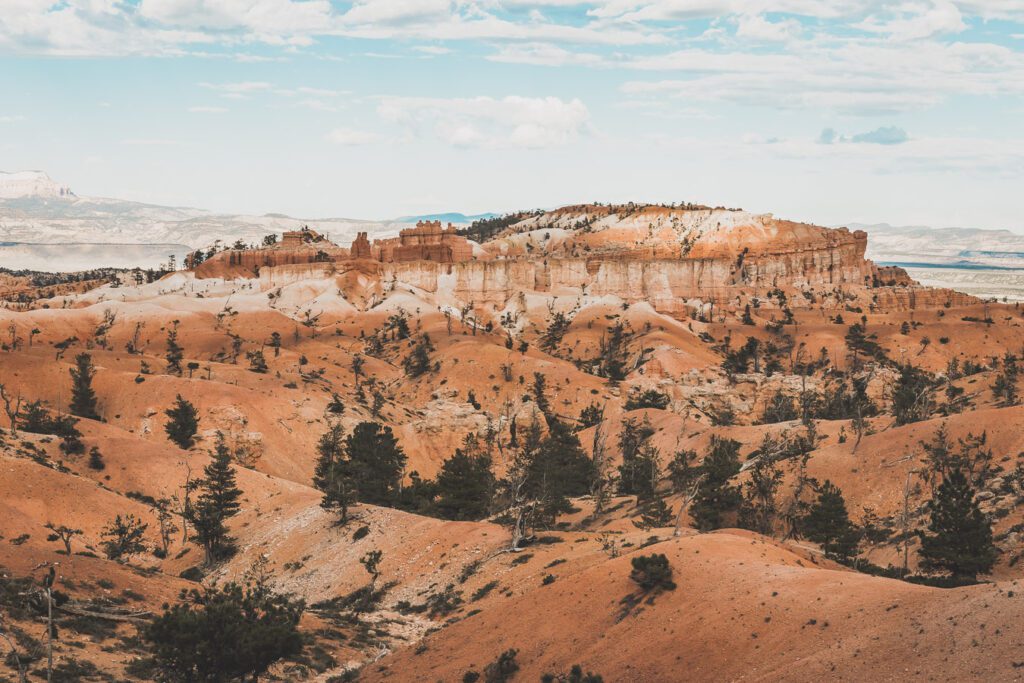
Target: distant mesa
[427,241]
[449,217]
[661,254]
[24,184]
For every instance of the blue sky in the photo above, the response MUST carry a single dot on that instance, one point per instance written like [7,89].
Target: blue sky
[830,112]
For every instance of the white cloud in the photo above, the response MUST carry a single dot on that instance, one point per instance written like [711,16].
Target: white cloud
[397,12]
[274,21]
[11,118]
[202,109]
[352,137]
[756,27]
[240,88]
[544,54]
[856,76]
[528,122]
[916,20]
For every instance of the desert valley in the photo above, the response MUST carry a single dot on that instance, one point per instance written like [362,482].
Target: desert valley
[603,442]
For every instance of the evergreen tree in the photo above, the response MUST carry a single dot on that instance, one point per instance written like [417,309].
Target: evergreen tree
[759,507]
[539,391]
[558,325]
[559,470]
[377,462]
[780,408]
[333,474]
[465,484]
[828,524]
[911,400]
[225,634]
[716,498]
[96,459]
[634,470]
[654,513]
[418,362]
[123,537]
[682,471]
[183,423]
[960,538]
[652,572]
[216,503]
[1005,386]
[83,398]
[174,353]
[257,361]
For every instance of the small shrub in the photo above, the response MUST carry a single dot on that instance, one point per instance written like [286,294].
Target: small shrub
[652,572]
[503,668]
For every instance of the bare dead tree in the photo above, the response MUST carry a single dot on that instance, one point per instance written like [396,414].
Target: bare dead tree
[905,522]
[15,655]
[599,490]
[684,504]
[133,345]
[12,406]
[184,504]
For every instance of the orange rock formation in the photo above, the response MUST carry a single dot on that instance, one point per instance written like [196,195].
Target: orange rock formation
[428,241]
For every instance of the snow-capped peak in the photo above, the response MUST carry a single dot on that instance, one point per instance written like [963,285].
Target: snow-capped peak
[30,184]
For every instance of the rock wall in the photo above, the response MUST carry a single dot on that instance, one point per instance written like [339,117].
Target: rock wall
[665,284]
[234,263]
[918,297]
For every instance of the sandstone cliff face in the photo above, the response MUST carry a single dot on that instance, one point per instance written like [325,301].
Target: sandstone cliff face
[665,256]
[918,297]
[234,263]
[665,284]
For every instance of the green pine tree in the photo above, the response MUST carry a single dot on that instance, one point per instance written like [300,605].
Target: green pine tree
[634,472]
[83,398]
[217,502]
[828,523]
[960,538]
[377,462]
[559,470]
[174,353]
[465,484]
[654,513]
[912,397]
[716,497]
[184,422]
[418,361]
[333,474]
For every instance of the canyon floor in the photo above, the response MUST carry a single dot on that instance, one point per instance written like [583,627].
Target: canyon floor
[336,339]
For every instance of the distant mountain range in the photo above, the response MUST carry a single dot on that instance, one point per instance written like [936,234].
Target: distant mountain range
[943,247]
[986,263]
[451,217]
[46,226]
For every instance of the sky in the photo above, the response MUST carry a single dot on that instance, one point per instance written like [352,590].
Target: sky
[824,111]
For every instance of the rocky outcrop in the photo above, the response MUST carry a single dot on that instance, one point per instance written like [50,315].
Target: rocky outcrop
[665,284]
[918,297]
[661,255]
[234,263]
